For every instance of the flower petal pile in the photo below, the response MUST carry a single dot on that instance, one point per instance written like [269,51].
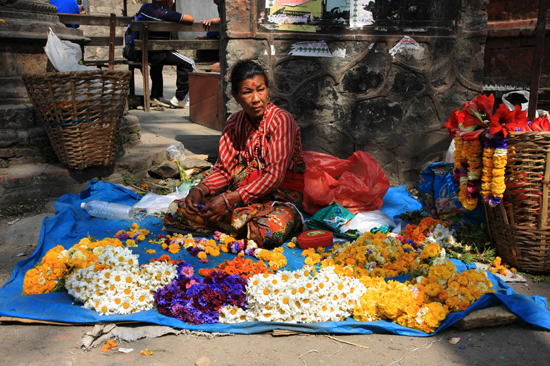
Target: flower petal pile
[116,284]
[198,301]
[44,277]
[375,255]
[201,248]
[245,268]
[297,297]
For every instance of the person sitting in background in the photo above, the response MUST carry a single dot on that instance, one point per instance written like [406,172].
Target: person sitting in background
[162,10]
[256,187]
[212,35]
[67,7]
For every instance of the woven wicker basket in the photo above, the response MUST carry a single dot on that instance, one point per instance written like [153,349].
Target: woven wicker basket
[519,227]
[81,112]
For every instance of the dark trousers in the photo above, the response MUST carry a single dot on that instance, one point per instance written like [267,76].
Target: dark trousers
[184,65]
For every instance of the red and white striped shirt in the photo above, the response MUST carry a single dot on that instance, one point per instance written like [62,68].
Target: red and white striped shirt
[280,146]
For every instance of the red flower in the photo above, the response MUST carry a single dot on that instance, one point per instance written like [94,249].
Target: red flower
[505,120]
[456,118]
[472,135]
[540,124]
[475,109]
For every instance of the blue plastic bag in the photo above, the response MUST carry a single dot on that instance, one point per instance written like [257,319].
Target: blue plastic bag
[438,192]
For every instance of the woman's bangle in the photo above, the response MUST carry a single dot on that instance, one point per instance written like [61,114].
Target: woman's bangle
[201,190]
[227,204]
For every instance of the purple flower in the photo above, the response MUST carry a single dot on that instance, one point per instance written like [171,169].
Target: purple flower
[197,302]
[122,236]
[413,244]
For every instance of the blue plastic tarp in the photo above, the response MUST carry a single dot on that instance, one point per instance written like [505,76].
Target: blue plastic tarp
[72,223]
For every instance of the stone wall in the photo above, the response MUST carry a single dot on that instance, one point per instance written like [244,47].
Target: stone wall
[510,46]
[102,7]
[391,107]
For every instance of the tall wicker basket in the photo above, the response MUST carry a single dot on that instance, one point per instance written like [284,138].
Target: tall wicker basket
[81,112]
[519,226]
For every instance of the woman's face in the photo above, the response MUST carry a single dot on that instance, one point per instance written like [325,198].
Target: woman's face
[252,96]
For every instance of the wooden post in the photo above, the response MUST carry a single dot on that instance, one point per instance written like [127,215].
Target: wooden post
[145,67]
[537,59]
[112,34]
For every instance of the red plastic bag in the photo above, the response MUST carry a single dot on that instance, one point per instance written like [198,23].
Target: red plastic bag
[358,183]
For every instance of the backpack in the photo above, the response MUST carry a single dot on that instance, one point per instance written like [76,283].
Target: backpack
[129,51]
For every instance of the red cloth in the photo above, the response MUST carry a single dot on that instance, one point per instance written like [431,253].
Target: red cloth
[280,148]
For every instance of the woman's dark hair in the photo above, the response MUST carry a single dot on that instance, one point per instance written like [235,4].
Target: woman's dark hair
[246,69]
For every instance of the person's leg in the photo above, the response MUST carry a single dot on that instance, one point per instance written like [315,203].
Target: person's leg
[157,60]
[184,66]
[268,225]
[157,85]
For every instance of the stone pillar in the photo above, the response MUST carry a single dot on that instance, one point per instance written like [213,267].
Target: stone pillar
[23,35]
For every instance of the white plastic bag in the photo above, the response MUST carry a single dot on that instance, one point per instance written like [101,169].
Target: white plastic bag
[176,151]
[366,221]
[155,203]
[64,55]
[450,156]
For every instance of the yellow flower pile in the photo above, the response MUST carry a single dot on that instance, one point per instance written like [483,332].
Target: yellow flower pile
[44,277]
[276,258]
[58,262]
[457,291]
[398,302]
[133,236]
[85,252]
[312,258]
[425,303]
[375,255]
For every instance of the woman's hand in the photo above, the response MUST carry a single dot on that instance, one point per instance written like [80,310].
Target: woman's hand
[215,209]
[192,201]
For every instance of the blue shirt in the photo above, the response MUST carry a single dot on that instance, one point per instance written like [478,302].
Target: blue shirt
[67,7]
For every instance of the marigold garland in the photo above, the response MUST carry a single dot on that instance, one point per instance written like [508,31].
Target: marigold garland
[500,159]
[469,192]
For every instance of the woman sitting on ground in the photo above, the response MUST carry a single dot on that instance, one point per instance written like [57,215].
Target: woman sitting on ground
[257,184]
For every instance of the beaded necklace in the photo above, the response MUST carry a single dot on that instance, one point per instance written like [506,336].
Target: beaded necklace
[253,161]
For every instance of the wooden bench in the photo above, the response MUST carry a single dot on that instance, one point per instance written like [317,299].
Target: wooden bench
[144,44]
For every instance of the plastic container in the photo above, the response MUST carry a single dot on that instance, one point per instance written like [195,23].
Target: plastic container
[106,210]
[314,239]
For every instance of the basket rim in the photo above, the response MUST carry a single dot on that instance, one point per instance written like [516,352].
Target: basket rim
[528,133]
[72,73]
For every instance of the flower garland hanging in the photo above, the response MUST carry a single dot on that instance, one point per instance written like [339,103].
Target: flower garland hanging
[488,166]
[500,159]
[473,152]
[481,147]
